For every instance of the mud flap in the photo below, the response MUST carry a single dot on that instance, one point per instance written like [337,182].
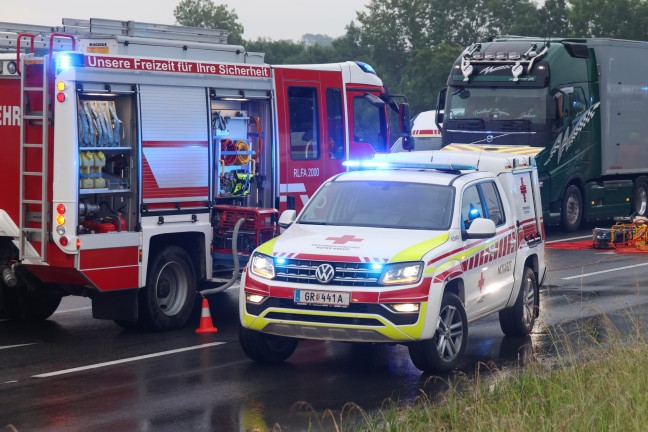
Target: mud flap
[116,305]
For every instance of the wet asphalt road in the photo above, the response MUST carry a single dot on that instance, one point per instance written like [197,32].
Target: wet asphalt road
[73,373]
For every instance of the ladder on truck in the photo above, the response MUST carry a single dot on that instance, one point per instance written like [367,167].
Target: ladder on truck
[34,214]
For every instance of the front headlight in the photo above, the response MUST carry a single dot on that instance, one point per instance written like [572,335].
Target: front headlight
[402,273]
[262,265]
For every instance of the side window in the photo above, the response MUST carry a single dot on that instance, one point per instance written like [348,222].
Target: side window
[471,206]
[304,123]
[578,103]
[369,124]
[493,203]
[335,123]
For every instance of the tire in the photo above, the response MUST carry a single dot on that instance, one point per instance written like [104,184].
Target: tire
[443,352]
[571,211]
[23,304]
[519,319]
[167,300]
[266,348]
[640,198]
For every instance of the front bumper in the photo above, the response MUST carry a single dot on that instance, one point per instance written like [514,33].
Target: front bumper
[362,321]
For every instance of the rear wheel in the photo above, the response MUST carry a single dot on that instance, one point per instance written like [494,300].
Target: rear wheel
[266,348]
[571,212]
[640,198]
[519,319]
[35,301]
[443,352]
[167,300]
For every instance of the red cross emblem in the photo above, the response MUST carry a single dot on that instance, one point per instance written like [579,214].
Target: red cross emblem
[344,239]
[523,188]
[481,282]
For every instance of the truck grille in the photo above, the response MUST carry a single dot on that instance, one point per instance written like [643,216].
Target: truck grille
[347,274]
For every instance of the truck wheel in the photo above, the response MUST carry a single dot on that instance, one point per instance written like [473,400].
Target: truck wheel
[572,208]
[266,348]
[168,298]
[640,198]
[29,305]
[444,350]
[518,320]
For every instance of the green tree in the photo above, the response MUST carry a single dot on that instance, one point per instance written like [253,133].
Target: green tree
[205,14]
[623,19]
[554,19]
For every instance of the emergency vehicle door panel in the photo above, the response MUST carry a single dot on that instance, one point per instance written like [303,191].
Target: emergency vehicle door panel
[528,223]
[310,143]
[174,145]
[489,263]
[368,128]
[10,133]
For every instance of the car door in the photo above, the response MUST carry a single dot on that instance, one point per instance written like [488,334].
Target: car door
[488,268]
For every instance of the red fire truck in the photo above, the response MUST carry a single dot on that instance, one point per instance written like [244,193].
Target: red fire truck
[130,150]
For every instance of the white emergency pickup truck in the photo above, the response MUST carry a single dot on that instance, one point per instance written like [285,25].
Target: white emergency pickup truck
[409,250]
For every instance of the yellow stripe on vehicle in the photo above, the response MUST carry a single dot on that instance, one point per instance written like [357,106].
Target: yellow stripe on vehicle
[267,247]
[416,252]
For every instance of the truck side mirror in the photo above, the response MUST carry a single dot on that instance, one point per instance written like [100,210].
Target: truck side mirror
[480,228]
[287,218]
[405,126]
[440,107]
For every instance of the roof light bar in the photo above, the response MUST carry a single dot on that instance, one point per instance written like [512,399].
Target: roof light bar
[412,165]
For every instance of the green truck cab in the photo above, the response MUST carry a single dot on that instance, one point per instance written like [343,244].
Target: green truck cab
[578,105]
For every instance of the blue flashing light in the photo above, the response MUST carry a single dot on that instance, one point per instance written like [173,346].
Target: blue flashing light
[366,67]
[376,266]
[473,213]
[365,164]
[65,61]
[280,261]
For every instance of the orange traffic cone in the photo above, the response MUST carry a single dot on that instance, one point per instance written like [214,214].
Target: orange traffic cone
[206,325]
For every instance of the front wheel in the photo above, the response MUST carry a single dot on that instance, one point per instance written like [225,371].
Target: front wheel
[571,212]
[266,348]
[167,300]
[443,352]
[518,320]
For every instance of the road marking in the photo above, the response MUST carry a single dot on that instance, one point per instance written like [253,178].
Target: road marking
[10,382]
[16,346]
[73,310]
[604,271]
[569,239]
[127,360]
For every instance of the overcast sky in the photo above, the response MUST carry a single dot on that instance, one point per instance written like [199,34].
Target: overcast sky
[274,19]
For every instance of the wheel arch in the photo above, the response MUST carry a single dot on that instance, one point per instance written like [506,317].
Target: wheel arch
[193,243]
[457,287]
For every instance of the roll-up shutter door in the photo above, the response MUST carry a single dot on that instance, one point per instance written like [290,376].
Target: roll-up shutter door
[174,144]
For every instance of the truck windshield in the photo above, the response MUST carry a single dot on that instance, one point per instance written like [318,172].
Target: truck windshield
[497,103]
[384,204]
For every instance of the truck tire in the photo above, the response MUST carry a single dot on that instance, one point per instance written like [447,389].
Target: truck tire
[519,319]
[22,304]
[167,300]
[266,348]
[571,212]
[443,352]
[640,198]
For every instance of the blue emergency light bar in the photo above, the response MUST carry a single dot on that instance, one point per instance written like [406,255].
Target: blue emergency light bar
[414,165]
[67,60]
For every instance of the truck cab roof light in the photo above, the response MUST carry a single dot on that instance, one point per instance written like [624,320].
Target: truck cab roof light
[478,56]
[366,67]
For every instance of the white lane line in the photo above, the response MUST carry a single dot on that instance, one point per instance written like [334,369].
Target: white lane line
[569,239]
[16,346]
[126,360]
[604,271]
[73,310]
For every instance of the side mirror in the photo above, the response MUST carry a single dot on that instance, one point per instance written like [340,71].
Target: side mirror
[287,218]
[441,99]
[480,228]
[405,126]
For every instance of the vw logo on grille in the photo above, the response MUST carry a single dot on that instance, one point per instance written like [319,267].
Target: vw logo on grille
[325,273]
[489,138]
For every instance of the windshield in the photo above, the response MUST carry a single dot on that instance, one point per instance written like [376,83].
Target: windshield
[384,204]
[497,103]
